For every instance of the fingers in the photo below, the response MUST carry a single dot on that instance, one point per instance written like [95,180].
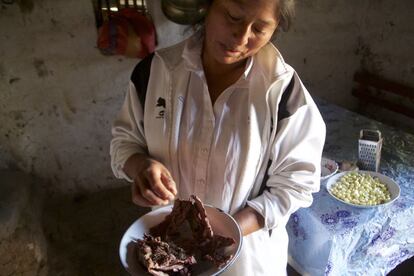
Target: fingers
[144,190]
[137,198]
[158,183]
[169,183]
[153,184]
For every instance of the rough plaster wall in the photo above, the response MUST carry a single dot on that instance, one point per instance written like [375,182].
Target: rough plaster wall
[320,46]
[331,40]
[386,47]
[58,94]
[387,39]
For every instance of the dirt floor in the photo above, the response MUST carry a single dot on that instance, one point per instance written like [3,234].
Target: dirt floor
[83,232]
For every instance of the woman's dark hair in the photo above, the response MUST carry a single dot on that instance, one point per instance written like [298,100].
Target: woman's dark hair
[285,13]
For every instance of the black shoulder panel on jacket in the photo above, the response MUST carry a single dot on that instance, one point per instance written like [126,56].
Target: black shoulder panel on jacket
[292,99]
[140,77]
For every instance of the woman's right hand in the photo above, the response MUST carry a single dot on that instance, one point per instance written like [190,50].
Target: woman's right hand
[152,182]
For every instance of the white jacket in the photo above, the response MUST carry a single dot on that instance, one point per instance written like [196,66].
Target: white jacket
[287,135]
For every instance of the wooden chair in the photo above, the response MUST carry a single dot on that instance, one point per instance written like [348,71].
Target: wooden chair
[372,89]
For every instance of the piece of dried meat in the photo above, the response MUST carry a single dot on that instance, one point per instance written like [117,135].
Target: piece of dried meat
[189,227]
[163,259]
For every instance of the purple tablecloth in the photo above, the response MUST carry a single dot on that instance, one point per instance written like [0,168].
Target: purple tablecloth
[332,238]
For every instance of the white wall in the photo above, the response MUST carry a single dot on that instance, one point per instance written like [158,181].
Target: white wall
[58,94]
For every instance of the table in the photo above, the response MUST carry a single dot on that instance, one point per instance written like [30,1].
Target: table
[332,238]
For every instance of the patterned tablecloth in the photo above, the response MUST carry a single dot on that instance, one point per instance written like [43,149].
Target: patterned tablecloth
[332,238]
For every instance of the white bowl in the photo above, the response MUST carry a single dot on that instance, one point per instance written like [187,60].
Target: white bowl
[222,223]
[392,186]
[328,168]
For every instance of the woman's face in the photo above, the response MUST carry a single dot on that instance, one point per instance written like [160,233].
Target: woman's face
[237,29]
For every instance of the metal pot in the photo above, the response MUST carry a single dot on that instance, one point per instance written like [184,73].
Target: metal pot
[185,12]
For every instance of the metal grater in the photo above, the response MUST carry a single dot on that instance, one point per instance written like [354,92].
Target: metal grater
[369,149]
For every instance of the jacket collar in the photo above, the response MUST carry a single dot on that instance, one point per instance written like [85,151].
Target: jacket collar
[187,53]
[192,56]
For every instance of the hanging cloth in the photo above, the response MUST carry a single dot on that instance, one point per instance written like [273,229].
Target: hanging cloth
[127,32]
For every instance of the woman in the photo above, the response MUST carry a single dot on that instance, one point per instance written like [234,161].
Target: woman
[222,116]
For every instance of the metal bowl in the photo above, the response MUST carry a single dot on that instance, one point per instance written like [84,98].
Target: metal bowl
[222,223]
[185,12]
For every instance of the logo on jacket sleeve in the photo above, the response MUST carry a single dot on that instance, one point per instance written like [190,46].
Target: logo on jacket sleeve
[161,104]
